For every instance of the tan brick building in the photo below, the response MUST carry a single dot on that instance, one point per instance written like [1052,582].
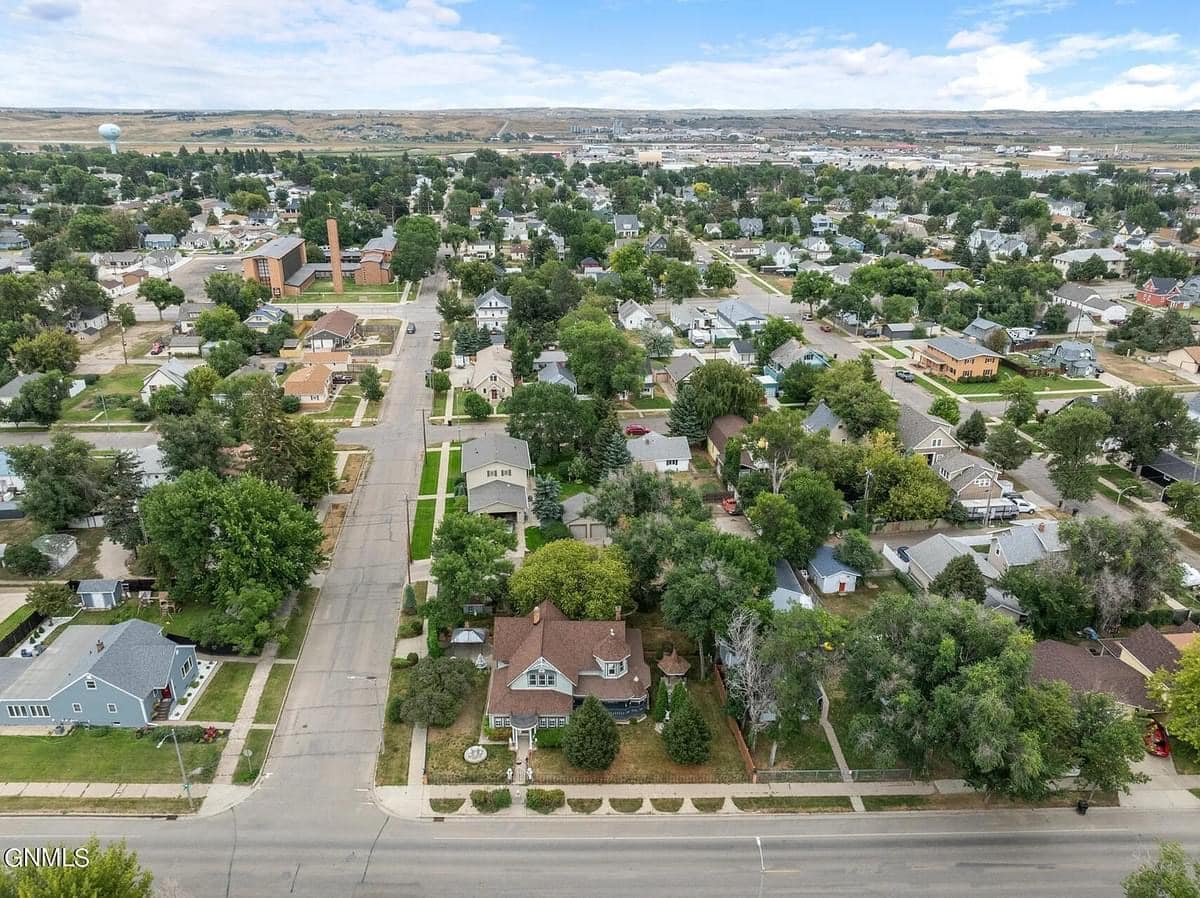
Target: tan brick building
[282,265]
[955,358]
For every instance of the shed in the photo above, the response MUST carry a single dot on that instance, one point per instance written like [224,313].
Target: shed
[830,575]
[100,595]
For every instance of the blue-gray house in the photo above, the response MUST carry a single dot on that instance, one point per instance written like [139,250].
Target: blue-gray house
[790,353]
[123,675]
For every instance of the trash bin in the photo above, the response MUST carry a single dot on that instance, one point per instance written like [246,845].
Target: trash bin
[1082,806]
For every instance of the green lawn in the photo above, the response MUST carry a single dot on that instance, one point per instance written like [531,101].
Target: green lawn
[455,469]
[344,406]
[650,402]
[102,755]
[83,566]
[392,768]
[1039,384]
[297,623]
[444,760]
[181,623]
[15,620]
[841,712]
[571,488]
[123,383]
[323,290]
[422,529]
[1123,479]
[222,697]
[808,750]
[439,405]
[271,702]
[248,768]
[1186,758]
[429,473]
[791,804]
[892,351]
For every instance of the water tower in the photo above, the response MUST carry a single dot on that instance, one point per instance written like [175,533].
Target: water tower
[110,132]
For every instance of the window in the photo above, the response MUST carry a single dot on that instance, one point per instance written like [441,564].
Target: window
[936,443]
[542,678]
[14,711]
[186,668]
[77,708]
[39,711]
[506,472]
[672,462]
[263,270]
[493,472]
[112,709]
[89,684]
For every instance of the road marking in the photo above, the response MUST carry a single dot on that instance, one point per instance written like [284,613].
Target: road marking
[812,836]
[762,864]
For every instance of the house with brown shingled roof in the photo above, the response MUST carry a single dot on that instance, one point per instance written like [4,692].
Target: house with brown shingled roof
[546,665]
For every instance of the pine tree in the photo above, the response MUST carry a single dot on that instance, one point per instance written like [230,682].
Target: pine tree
[679,698]
[545,500]
[684,418]
[612,453]
[122,491]
[973,431]
[410,599]
[662,701]
[686,735]
[962,253]
[590,740]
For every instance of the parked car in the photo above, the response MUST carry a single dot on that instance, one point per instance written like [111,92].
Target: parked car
[280,367]
[1024,506]
[1098,369]
[636,430]
[1156,740]
[906,376]
[699,341]
[342,377]
[807,316]
[157,348]
[221,268]
[872,332]
[437,336]
[902,552]
[827,328]
[411,329]
[730,506]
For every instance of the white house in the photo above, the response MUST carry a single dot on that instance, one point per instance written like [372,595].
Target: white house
[830,575]
[492,310]
[1089,302]
[1113,260]
[172,374]
[633,316]
[656,452]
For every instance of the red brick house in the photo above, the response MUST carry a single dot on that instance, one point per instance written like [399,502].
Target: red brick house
[1159,293]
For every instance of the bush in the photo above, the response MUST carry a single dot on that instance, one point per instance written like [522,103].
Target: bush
[554,530]
[551,737]
[410,599]
[403,663]
[411,627]
[436,689]
[545,800]
[489,801]
[412,658]
[25,560]
[662,701]
[89,379]
[53,600]
[496,734]
[476,407]
[141,412]
[687,736]
[590,740]
[431,642]
[395,708]
[289,404]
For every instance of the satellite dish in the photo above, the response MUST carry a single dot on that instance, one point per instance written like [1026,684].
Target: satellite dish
[110,132]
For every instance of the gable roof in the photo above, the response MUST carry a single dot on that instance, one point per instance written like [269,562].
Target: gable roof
[826,565]
[933,554]
[494,447]
[339,322]
[573,507]
[175,371]
[497,492]
[1026,545]
[736,311]
[308,380]
[655,446]
[788,353]
[727,426]
[682,365]
[1083,671]
[822,418]
[913,427]
[1151,648]
[278,248]
[630,307]
[492,294]
[1079,293]
[960,349]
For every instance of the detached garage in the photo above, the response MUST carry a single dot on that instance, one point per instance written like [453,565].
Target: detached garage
[100,595]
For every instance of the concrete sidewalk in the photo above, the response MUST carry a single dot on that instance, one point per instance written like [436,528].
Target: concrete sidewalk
[100,790]
[245,719]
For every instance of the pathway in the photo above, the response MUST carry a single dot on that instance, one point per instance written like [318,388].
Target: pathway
[245,718]
[855,799]
[359,412]
[439,504]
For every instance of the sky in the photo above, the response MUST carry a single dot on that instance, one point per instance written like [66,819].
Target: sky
[621,54]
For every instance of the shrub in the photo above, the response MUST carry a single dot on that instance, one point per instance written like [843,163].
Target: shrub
[402,663]
[89,379]
[687,736]
[489,801]
[545,800]
[554,530]
[410,599]
[590,740]
[436,689]
[53,599]
[476,407]
[141,412]
[289,404]
[395,708]
[411,627]
[496,734]
[431,642]
[551,737]
[24,559]
[413,658]
[662,701]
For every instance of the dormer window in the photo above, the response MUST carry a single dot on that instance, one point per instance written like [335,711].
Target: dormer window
[614,669]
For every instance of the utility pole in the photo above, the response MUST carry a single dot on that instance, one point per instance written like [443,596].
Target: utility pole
[187,786]
[424,439]
[407,540]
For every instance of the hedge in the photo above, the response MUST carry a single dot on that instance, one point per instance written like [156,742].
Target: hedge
[551,737]
[489,801]
[544,801]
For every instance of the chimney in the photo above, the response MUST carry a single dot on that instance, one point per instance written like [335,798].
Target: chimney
[99,646]
[335,253]
[1041,526]
[537,614]
[618,617]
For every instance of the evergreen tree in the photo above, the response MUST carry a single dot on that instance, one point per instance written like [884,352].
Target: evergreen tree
[522,352]
[973,431]
[590,740]
[683,420]
[686,735]
[679,698]
[962,253]
[1006,449]
[662,701]
[981,259]
[410,599]
[545,500]
[122,491]
[612,453]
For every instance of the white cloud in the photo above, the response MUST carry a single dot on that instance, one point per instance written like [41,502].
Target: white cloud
[340,54]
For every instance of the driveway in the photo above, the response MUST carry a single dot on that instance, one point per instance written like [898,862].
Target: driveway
[10,602]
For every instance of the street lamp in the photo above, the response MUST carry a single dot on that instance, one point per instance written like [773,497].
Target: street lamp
[187,786]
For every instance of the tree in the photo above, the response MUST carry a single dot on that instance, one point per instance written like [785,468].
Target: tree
[1148,421]
[38,400]
[774,334]
[798,383]
[451,307]
[1173,875]
[1073,436]
[584,581]
[687,736]
[777,442]
[817,501]
[436,689]
[1107,741]
[973,431]
[960,579]
[946,408]
[370,383]
[226,357]
[602,359]
[680,280]
[781,529]
[160,294]
[861,403]
[123,489]
[1179,692]
[662,701]
[751,682]
[1006,448]
[720,276]
[723,388]
[417,240]
[590,740]
[657,344]
[297,453]
[683,419]
[545,500]
[522,352]
[62,480]
[110,872]
[476,407]
[1020,399]
[52,599]
[229,289]
[1058,602]
[24,559]
[547,416]
[1055,320]
[469,565]
[439,381]
[811,287]
[190,442]
[611,451]
[48,253]
[855,550]
[51,350]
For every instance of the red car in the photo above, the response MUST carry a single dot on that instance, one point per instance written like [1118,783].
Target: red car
[636,430]
[1156,740]
[157,348]
[827,328]
[730,505]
